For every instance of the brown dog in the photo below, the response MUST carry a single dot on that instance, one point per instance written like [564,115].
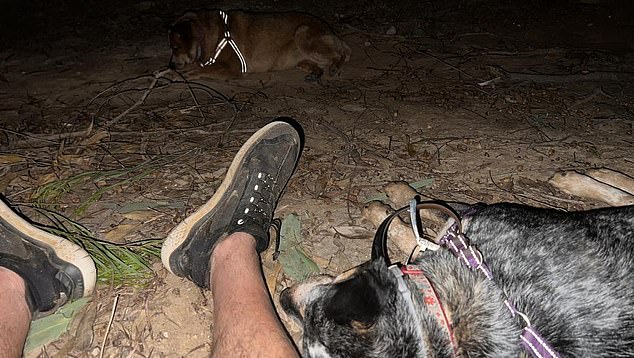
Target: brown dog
[227,44]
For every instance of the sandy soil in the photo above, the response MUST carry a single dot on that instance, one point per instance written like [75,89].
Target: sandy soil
[487,100]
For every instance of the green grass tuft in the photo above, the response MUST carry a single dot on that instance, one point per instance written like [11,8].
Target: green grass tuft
[48,195]
[117,264]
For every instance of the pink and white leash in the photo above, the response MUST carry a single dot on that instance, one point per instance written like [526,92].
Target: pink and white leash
[454,240]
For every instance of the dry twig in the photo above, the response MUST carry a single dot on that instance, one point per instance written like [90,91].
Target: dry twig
[114,310]
[157,76]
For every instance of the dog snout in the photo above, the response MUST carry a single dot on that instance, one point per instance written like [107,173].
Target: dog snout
[295,299]
[176,62]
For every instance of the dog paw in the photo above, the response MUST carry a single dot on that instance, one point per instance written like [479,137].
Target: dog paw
[600,185]
[399,193]
[399,232]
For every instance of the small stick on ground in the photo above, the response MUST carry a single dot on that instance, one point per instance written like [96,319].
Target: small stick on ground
[597,76]
[53,138]
[141,100]
[237,110]
[114,309]
[191,91]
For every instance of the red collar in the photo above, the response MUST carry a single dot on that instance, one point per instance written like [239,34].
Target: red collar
[430,298]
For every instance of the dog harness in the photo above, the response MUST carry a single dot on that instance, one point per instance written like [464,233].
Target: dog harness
[455,241]
[226,39]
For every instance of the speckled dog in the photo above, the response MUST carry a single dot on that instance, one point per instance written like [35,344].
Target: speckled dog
[571,273]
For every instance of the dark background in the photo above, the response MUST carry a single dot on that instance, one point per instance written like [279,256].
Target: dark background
[40,25]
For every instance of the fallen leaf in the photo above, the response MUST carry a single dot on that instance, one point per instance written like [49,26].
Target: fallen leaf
[424,183]
[295,262]
[119,233]
[46,330]
[141,216]
[80,331]
[95,138]
[8,159]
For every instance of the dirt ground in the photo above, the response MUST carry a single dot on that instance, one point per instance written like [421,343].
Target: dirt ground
[481,100]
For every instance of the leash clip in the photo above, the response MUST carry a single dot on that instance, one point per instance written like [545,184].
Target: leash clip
[423,244]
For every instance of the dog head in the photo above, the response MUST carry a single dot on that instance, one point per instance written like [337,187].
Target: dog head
[362,313]
[186,40]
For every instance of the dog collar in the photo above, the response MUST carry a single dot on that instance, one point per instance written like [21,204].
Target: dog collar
[404,290]
[455,241]
[226,39]
[431,300]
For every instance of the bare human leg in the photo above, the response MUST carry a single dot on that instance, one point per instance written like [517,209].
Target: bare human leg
[15,316]
[39,272]
[217,247]
[245,321]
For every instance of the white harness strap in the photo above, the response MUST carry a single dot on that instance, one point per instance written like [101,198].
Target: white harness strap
[223,43]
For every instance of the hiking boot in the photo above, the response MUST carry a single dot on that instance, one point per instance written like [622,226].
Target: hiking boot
[54,269]
[244,202]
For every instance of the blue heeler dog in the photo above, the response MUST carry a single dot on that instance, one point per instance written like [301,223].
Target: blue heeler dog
[570,274]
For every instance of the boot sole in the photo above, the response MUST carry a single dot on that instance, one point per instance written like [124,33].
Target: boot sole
[180,233]
[64,249]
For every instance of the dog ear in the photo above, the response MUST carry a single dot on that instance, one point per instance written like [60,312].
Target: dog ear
[180,31]
[356,301]
[187,17]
